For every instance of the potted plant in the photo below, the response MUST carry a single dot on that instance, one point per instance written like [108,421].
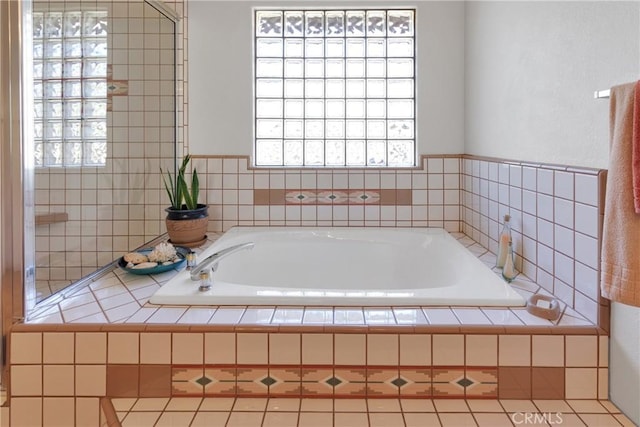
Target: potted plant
[186,218]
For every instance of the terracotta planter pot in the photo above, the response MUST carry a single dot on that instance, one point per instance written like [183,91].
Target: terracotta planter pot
[187,227]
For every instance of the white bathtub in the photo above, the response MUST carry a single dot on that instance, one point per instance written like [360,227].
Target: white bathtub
[343,267]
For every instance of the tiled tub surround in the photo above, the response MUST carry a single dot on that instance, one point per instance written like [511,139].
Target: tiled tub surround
[556,215]
[109,328]
[336,352]
[556,211]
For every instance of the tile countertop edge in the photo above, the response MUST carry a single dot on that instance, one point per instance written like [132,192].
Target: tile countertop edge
[339,329]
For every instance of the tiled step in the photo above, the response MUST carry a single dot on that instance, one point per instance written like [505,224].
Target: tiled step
[285,412]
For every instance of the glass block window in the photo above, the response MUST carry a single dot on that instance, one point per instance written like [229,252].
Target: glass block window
[70,88]
[335,88]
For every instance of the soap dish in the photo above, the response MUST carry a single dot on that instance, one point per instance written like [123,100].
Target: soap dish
[536,306]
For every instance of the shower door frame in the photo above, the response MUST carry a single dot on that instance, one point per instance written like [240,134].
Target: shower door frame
[16,185]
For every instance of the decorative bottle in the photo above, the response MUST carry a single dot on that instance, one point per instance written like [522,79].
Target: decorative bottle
[503,242]
[509,270]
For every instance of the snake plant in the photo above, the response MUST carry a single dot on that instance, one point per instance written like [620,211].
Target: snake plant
[180,195]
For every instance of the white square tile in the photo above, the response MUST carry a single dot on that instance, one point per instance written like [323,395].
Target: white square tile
[586,219]
[545,207]
[403,180]
[448,350]
[529,178]
[545,181]
[435,165]
[545,258]
[419,181]
[564,184]
[452,165]
[563,212]
[493,171]
[586,189]
[26,348]
[581,350]
[529,225]
[548,350]
[503,173]
[382,349]
[515,176]
[586,280]
[563,240]
[415,350]
[529,202]
[436,181]
[515,350]
[481,350]
[563,268]
[545,232]
[586,307]
[503,194]
[581,383]
[586,250]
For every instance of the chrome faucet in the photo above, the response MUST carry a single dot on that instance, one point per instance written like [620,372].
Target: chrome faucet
[212,260]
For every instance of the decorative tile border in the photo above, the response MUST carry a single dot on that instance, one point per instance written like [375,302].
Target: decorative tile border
[385,197]
[338,381]
[332,381]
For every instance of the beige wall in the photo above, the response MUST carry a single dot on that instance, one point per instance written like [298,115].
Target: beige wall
[530,72]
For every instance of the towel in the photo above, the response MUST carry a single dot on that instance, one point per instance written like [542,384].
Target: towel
[620,258]
[636,149]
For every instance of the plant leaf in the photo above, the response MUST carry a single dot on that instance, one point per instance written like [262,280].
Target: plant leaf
[182,185]
[195,189]
[169,186]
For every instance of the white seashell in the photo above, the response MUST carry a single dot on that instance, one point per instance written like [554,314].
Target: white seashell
[135,257]
[145,265]
[167,263]
[130,265]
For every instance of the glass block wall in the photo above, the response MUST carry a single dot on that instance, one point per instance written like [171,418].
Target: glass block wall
[70,88]
[335,88]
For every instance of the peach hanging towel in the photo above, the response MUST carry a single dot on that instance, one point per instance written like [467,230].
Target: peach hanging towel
[620,260]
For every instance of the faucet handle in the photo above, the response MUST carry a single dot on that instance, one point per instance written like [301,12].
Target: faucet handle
[205,281]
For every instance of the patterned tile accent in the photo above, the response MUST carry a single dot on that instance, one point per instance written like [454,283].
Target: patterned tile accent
[219,380]
[285,381]
[318,381]
[469,382]
[333,197]
[417,382]
[347,381]
[188,381]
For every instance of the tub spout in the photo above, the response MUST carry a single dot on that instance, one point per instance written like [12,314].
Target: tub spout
[212,260]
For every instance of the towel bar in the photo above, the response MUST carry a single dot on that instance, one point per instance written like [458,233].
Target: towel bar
[602,94]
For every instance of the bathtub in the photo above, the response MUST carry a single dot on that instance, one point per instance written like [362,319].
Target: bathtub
[343,267]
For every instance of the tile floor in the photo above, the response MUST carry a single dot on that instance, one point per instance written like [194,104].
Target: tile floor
[256,412]
[120,297]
